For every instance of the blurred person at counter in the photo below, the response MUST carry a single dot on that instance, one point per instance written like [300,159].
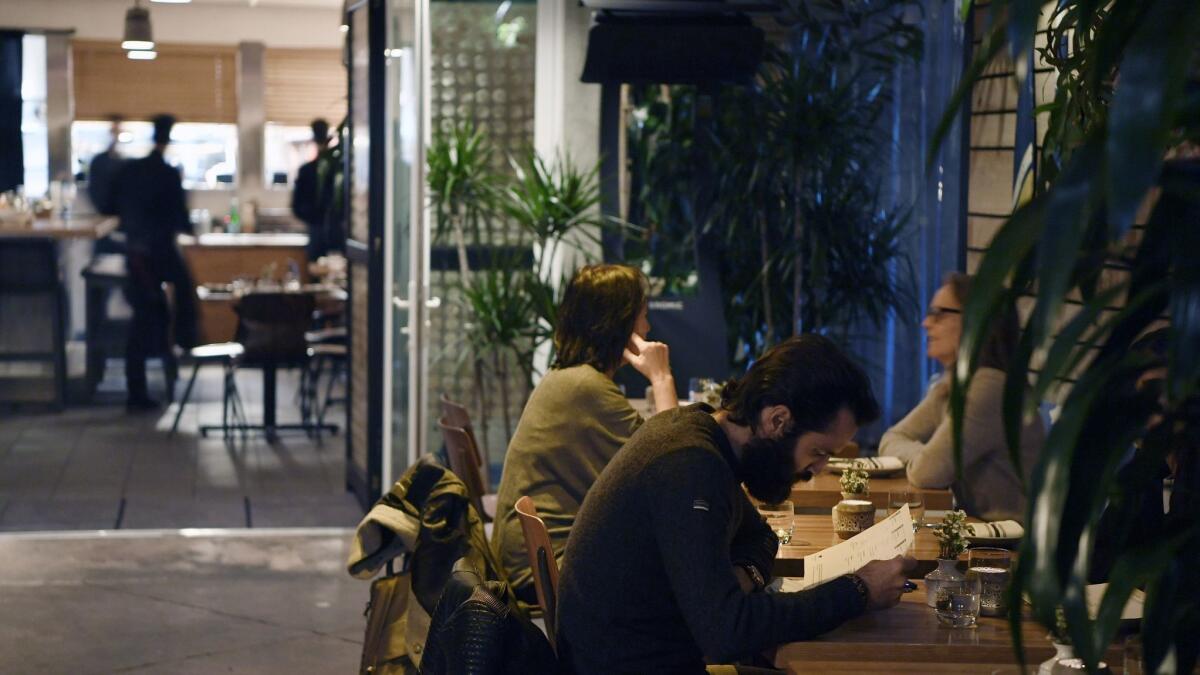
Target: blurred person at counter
[103,171]
[313,194]
[153,210]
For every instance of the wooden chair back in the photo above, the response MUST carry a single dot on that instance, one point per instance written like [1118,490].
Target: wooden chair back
[462,462]
[541,561]
[848,451]
[456,415]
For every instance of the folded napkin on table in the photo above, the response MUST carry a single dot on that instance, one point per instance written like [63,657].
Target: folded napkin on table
[869,463]
[1004,529]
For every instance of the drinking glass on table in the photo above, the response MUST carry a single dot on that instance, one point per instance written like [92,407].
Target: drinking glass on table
[916,505]
[957,602]
[781,518]
[992,566]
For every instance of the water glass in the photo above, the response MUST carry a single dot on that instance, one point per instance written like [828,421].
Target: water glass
[780,518]
[957,603]
[992,566]
[916,505]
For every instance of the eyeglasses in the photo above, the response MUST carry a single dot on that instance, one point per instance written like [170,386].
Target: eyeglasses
[934,312]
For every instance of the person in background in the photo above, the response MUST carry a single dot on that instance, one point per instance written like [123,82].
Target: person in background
[103,171]
[153,210]
[311,196]
[668,558]
[990,487]
[1152,516]
[577,418]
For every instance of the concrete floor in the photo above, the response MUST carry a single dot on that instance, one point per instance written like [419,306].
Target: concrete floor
[249,601]
[88,584]
[95,467]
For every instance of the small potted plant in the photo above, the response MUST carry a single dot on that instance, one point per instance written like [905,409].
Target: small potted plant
[1061,640]
[855,483]
[952,541]
[855,512]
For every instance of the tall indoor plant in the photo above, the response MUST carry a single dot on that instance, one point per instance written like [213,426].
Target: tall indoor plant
[1126,112]
[794,204]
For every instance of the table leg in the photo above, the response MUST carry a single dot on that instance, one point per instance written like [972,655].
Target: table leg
[269,401]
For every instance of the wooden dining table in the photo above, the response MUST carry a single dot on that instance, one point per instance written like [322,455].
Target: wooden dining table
[824,492]
[812,534]
[907,638]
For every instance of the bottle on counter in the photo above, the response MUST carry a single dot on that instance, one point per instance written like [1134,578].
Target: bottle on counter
[234,223]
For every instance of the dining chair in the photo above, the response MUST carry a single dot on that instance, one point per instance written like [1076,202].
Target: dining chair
[541,561]
[848,451]
[227,355]
[456,415]
[462,463]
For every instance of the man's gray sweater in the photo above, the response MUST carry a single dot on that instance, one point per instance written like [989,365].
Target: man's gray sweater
[647,581]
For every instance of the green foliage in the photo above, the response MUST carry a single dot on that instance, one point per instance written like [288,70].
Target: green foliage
[463,187]
[952,535]
[1125,100]
[510,303]
[854,480]
[782,176]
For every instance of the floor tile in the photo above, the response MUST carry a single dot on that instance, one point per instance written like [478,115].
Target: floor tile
[339,510]
[147,512]
[58,514]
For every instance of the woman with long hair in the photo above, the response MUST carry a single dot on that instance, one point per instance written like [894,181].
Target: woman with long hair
[990,487]
[577,418]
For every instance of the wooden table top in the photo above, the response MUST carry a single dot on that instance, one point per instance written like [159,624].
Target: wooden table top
[908,638]
[817,534]
[72,227]
[824,492]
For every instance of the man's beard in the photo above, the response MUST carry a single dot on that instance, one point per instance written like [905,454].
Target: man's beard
[768,468]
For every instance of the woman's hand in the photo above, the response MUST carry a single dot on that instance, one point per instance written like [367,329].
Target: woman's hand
[653,360]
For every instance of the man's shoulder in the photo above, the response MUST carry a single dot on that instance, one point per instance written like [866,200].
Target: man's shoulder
[678,439]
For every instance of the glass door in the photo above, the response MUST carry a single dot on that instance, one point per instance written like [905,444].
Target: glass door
[406,256]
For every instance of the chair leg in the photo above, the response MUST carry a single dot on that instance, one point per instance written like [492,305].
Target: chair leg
[334,373]
[225,401]
[187,392]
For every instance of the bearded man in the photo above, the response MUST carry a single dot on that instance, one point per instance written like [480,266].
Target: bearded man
[666,562]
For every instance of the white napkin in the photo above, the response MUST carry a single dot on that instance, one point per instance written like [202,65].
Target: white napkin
[869,463]
[1004,529]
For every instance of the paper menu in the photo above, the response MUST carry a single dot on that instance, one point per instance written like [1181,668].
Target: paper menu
[887,539]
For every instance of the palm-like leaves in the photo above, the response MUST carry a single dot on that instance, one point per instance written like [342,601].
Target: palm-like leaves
[1121,105]
[463,187]
[795,189]
[552,202]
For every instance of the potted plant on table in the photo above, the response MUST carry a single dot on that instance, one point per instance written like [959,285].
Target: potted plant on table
[952,541]
[855,482]
[1061,639]
[855,512]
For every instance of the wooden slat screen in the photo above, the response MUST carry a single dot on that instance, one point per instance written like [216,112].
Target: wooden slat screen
[196,83]
[992,156]
[304,84]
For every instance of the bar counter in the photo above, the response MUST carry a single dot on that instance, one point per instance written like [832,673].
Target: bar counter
[34,303]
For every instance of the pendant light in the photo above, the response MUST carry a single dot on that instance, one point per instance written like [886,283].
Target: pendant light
[137,28]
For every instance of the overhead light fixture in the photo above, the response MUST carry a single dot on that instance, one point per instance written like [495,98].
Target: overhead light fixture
[345,28]
[137,28]
[142,54]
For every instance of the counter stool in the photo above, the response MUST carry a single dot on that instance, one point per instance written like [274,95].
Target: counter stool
[226,354]
[319,355]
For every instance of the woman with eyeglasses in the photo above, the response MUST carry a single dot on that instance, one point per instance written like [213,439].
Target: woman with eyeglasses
[990,487]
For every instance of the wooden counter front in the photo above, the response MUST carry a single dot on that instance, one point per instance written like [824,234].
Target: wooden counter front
[908,638]
[219,258]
